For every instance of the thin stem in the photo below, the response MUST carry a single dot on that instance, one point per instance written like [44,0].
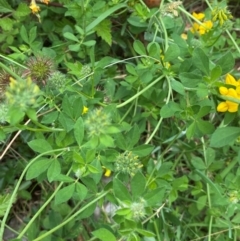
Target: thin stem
[10,72]
[72,217]
[160,121]
[208,192]
[17,187]
[140,92]
[11,60]
[42,208]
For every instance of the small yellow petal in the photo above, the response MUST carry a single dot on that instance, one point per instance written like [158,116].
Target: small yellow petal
[222,107]
[198,16]
[107,173]
[230,80]
[184,36]
[232,107]
[223,90]
[232,93]
[85,110]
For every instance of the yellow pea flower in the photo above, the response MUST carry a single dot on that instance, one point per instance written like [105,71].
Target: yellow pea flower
[230,80]
[34,7]
[85,110]
[198,16]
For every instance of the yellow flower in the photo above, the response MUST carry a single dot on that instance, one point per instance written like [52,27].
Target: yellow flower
[85,110]
[230,80]
[201,28]
[230,92]
[198,16]
[34,7]
[205,27]
[223,90]
[184,36]
[227,106]
[107,173]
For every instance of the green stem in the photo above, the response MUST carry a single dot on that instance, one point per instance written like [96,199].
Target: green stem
[157,231]
[11,60]
[140,92]
[72,217]
[10,72]
[160,121]
[42,208]
[17,187]
[208,192]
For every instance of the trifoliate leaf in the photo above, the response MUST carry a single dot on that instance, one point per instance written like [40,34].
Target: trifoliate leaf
[5,7]
[4,202]
[22,10]
[6,24]
[103,30]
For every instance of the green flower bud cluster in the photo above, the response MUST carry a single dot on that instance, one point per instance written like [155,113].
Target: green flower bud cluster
[97,121]
[234,197]
[39,69]
[3,113]
[22,94]
[127,163]
[138,210]
[85,70]
[56,80]
[221,14]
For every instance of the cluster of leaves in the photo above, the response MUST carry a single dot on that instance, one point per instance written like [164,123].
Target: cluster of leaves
[152,122]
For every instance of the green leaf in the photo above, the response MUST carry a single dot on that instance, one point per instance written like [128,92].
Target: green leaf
[170,109]
[81,191]
[177,86]
[71,36]
[133,136]
[198,163]
[16,115]
[120,191]
[37,168]
[40,145]
[32,34]
[22,10]
[201,60]
[181,183]
[94,23]
[191,130]
[201,202]
[5,202]
[104,234]
[224,136]
[5,7]
[172,53]
[190,80]
[216,73]
[138,184]
[139,47]
[205,127]
[64,194]
[145,233]
[236,218]
[23,34]
[54,170]
[79,130]
[6,24]
[106,140]
[155,197]
[66,122]
[143,150]
[103,30]
[153,50]
[226,62]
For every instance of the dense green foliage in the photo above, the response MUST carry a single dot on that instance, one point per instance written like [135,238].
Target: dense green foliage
[119,121]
